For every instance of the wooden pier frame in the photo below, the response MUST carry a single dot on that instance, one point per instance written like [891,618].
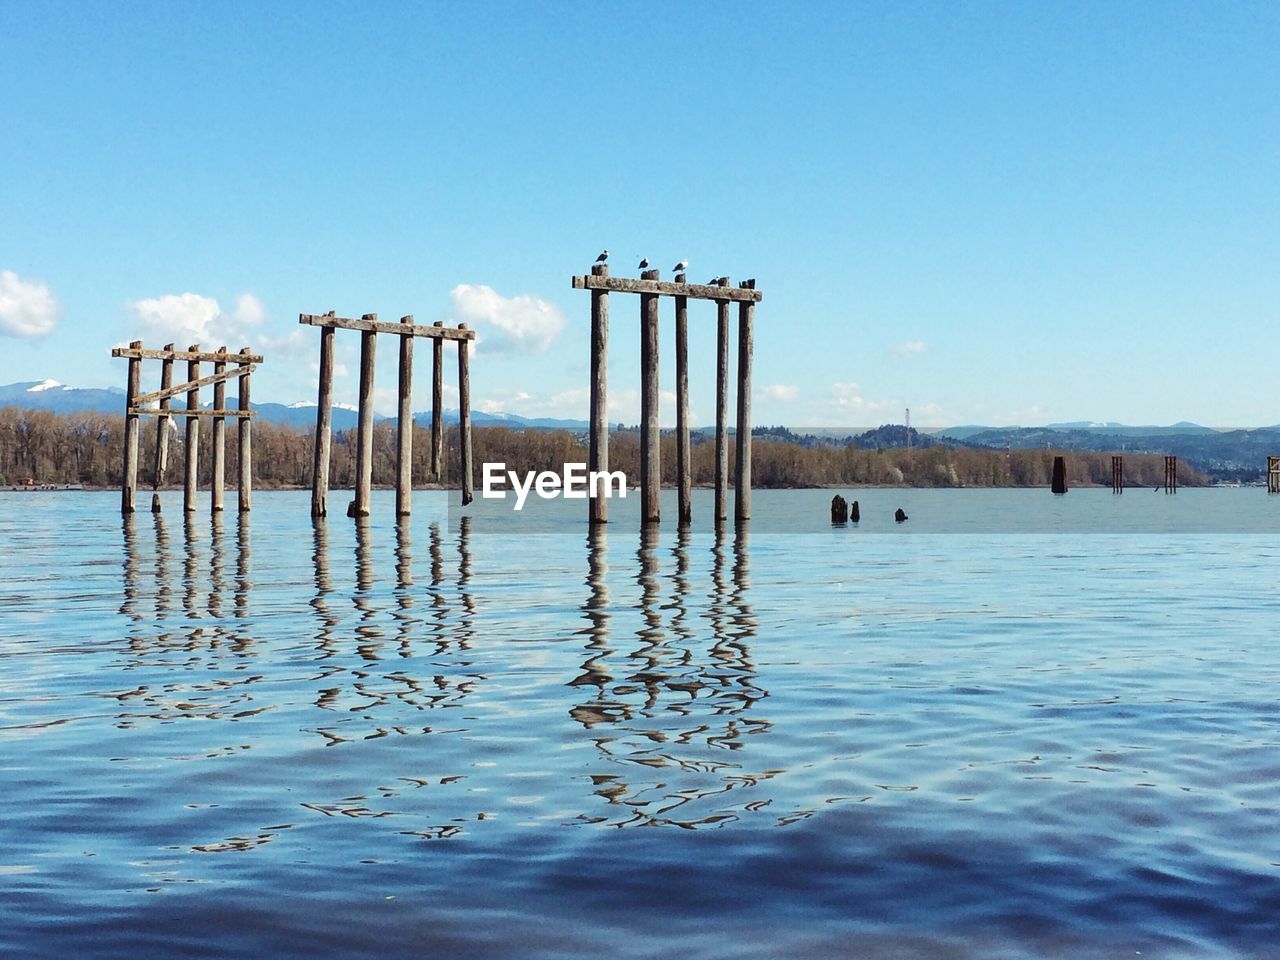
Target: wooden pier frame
[1273,474]
[1117,474]
[226,366]
[650,290]
[369,327]
[1170,474]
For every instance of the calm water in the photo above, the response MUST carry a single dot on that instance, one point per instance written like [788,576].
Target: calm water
[440,740]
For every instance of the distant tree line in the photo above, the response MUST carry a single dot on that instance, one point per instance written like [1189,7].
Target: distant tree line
[87,448]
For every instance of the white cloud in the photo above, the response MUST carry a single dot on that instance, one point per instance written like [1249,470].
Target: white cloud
[191,318]
[526,324]
[910,347]
[28,308]
[780,391]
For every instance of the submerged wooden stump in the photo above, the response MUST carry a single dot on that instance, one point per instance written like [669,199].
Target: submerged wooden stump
[900,515]
[839,510]
[855,515]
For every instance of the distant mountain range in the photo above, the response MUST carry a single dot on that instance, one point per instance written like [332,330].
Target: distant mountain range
[59,398]
[1224,454]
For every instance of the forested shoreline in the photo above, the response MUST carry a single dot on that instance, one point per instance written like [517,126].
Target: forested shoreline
[86,448]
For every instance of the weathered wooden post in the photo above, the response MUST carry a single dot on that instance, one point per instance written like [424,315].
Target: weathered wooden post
[324,425]
[162,429]
[219,434]
[464,417]
[598,445]
[404,432]
[684,478]
[1170,474]
[437,407]
[650,434]
[191,444]
[1273,474]
[746,342]
[839,510]
[1117,474]
[364,428]
[133,386]
[245,452]
[722,406]
[1059,482]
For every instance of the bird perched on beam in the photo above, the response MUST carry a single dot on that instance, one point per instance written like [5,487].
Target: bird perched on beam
[644,263]
[604,255]
[680,267]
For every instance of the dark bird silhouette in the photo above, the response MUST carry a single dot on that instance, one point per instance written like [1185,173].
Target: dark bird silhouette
[680,267]
[604,255]
[644,263]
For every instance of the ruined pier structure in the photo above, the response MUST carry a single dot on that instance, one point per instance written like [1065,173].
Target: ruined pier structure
[226,366]
[651,290]
[369,327]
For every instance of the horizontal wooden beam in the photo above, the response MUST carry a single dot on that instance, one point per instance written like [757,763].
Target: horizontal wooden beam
[177,412]
[213,378]
[205,356]
[380,326]
[694,291]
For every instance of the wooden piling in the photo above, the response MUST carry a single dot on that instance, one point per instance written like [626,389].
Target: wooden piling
[1273,474]
[191,445]
[746,343]
[437,407]
[650,434]
[1117,474]
[219,437]
[839,510]
[404,433]
[364,429]
[129,479]
[722,407]
[245,451]
[1059,482]
[684,477]
[598,444]
[324,427]
[162,429]
[464,417]
[1170,474]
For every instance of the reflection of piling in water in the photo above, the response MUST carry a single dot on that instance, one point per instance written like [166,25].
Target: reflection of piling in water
[190,566]
[680,587]
[404,585]
[217,557]
[130,572]
[368,634]
[466,621]
[243,583]
[595,610]
[651,634]
[324,586]
[163,588]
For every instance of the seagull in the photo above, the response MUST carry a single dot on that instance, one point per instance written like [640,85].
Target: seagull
[680,267]
[604,255]
[644,263]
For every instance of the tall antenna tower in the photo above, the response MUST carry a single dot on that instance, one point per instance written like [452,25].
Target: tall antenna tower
[908,428]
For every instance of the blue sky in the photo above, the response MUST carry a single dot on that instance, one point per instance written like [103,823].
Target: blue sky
[988,212]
